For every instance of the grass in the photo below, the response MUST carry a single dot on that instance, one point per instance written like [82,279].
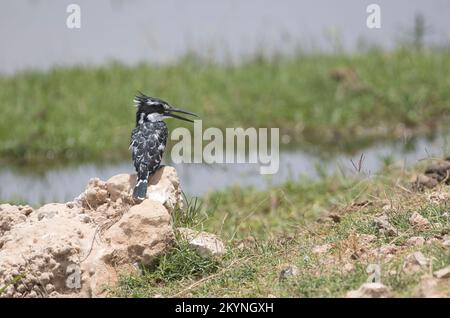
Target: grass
[180,265]
[265,231]
[334,101]
[240,211]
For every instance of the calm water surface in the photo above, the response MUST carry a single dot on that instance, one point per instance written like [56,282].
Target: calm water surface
[63,184]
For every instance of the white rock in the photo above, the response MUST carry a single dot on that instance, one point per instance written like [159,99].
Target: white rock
[50,210]
[415,262]
[141,235]
[164,187]
[418,221]
[120,186]
[205,244]
[442,273]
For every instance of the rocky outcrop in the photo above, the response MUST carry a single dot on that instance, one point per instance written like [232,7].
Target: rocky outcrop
[78,248]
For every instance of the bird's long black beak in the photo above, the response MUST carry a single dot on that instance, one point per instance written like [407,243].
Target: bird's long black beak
[170,112]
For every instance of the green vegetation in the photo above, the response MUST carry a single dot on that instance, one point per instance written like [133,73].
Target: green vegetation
[86,113]
[267,230]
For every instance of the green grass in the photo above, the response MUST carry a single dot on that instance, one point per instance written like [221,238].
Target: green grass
[239,212]
[86,113]
[180,265]
[266,230]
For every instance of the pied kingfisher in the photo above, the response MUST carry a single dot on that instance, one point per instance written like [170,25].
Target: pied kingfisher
[149,137]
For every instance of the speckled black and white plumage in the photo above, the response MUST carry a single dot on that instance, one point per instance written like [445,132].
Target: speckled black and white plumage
[149,137]
[148,141]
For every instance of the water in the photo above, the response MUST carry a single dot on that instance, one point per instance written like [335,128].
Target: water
[63,184]
[33,34]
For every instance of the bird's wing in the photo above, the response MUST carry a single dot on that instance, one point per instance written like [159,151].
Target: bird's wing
[147,145]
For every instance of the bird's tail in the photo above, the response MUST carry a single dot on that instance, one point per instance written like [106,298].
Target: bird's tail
[140,190]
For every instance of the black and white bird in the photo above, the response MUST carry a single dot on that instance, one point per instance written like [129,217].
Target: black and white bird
[149,137]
